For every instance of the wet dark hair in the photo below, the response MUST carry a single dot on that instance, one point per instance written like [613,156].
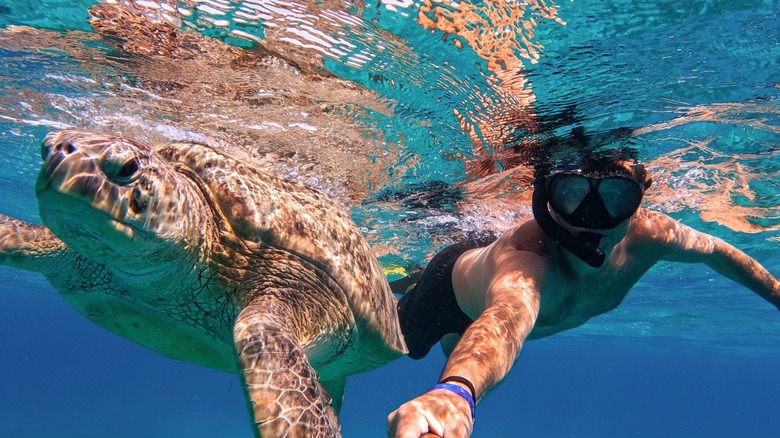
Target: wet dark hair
[620,161]
[597,154]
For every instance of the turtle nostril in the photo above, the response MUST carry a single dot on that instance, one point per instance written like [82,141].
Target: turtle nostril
[137,202]
[135,207]
[66,148]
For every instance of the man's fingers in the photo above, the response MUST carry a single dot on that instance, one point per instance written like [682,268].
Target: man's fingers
[432,425]
[403,427]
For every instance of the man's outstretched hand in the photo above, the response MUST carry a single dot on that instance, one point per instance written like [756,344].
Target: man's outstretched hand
[438,413]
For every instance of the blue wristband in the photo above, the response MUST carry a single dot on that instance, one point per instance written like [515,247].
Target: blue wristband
[461,392]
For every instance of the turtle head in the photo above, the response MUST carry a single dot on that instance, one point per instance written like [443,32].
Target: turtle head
[116,201]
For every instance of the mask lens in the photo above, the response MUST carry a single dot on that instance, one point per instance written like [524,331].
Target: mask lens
[621,196]
[567,191]
[597,203]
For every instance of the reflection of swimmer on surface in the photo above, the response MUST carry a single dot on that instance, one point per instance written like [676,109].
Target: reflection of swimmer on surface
[588,244]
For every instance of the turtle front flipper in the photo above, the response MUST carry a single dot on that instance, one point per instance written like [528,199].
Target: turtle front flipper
[285,396]
[27,246]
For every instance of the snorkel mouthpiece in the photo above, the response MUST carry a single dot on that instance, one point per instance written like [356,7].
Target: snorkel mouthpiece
[584,246]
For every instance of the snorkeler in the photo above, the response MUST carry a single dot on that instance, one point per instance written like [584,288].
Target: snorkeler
[588,244]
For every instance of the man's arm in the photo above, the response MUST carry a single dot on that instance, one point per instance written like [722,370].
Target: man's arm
[684,244]
[484,355]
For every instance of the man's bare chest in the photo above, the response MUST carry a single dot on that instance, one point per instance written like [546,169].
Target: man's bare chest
[567,303]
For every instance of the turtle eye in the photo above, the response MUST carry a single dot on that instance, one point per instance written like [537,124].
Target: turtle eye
[129,169]
[122,172]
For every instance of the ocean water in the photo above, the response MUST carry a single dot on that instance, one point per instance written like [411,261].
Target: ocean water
[416,144]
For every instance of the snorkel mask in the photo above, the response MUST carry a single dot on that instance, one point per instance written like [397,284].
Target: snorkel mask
[584,200]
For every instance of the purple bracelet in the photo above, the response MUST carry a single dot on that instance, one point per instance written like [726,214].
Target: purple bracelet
[461,392]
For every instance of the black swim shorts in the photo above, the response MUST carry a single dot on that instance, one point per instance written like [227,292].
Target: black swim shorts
[429,311]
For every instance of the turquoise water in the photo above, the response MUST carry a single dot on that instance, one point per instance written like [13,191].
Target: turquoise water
[687,354]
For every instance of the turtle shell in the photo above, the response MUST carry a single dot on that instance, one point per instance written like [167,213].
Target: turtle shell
[260,209]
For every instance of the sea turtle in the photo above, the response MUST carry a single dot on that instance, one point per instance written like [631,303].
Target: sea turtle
[207,259]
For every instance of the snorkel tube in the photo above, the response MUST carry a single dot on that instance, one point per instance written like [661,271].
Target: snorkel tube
[582,246]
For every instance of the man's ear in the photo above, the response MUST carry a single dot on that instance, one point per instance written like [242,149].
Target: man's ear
[648,183]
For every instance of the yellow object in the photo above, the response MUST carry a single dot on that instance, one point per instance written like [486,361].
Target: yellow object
[394,270]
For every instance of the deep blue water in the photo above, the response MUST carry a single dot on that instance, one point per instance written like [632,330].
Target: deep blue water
[687,354]
[64,376]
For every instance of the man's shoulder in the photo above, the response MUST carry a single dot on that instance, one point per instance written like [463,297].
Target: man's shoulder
[526,236]
[650,218]
[648,225]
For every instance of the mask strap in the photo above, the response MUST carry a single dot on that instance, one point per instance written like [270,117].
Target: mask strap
[582,248]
